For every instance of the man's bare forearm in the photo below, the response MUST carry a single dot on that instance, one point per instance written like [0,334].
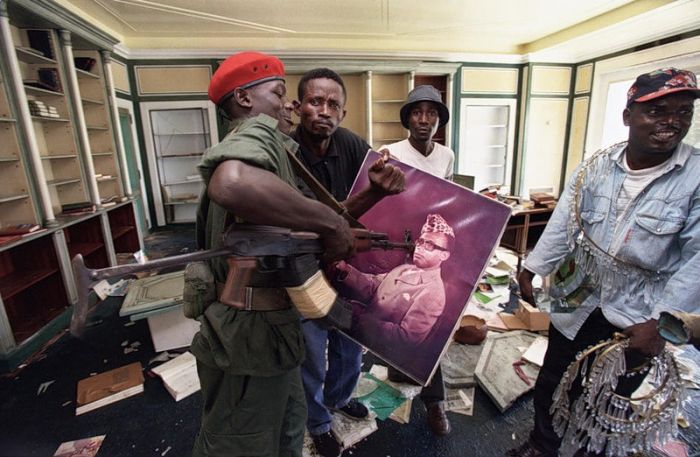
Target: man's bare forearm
[260,197]
[363,201]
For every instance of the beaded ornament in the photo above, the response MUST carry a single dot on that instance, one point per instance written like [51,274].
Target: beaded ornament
[602,421]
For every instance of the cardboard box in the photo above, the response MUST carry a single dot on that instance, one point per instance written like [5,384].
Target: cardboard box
[534,319]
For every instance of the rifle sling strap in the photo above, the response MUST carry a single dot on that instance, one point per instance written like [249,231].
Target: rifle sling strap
[260,298]
[321,193]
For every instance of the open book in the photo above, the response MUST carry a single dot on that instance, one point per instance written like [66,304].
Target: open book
[179,375]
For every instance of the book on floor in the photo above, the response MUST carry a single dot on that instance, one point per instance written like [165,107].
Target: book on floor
[179,375]
[109,387]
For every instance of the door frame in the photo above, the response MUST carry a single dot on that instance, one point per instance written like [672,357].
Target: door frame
[511,103]
[151,149]
[128,106]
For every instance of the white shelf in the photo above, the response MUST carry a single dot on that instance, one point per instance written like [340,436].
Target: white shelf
[12,198]
[181,156]
[9,159]
[33,58]
[39,91]
[86,74]
[186,181]
[89,101]
[181,202]
[489,126]
[49,119]
[7,119]
[97,127]
[59,157]
[182,133]
[388,140]
[62,182]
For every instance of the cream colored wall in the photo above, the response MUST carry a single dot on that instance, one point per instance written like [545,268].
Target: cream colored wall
[172,79]
[356,117]
[483,80]
[543,128]
[546,131]
[120,76]
[550,80]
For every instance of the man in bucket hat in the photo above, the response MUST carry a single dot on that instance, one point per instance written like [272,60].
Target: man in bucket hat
[248,359]
[636,227]
[423,114]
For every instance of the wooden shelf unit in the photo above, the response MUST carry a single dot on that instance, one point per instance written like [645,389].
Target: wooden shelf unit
[50,158]
[86,238]
[54,136]
[122,224]
[524,229]
[177,135]
[95,106]
[15,205]
[389,92]
[31,286]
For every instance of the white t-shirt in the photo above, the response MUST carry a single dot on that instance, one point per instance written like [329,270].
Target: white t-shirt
[634,183]
[440,162]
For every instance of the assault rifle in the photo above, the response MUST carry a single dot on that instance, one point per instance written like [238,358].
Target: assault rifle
[250,248]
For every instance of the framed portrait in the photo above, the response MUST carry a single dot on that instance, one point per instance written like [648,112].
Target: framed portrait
[407,303]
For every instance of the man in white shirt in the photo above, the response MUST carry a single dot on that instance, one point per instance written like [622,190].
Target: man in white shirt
[423,114]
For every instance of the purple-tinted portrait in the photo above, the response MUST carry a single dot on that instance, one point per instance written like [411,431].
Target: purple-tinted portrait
[406,305]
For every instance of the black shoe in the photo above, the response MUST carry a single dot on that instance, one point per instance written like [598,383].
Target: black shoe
[437,419]
[326,445]
[353,410]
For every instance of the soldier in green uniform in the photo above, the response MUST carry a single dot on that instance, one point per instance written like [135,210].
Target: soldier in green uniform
[248,360]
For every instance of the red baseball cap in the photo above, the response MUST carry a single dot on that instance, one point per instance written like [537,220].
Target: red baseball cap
[660,83]
[245,69]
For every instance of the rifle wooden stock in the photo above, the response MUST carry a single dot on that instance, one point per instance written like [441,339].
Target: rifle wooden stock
[240,270]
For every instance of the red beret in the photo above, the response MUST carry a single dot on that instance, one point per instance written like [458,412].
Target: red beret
[244,69]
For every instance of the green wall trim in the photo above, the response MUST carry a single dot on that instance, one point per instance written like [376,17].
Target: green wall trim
[489,65]
[516,134]
[567,133]
[482,95]
[455,116]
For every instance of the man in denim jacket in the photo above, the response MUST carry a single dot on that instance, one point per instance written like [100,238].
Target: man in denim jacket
[623,242]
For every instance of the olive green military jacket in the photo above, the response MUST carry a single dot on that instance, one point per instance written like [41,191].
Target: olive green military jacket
[245,342]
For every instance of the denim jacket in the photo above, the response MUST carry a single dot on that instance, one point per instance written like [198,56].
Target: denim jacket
[659,232]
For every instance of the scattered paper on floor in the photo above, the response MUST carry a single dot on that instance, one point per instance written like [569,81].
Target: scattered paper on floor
[460,401]
[348,431]
[87,447]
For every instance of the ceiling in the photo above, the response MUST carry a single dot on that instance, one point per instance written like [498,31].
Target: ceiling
[451,30]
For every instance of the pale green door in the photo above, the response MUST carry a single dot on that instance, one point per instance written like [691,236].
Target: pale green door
[132,165]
